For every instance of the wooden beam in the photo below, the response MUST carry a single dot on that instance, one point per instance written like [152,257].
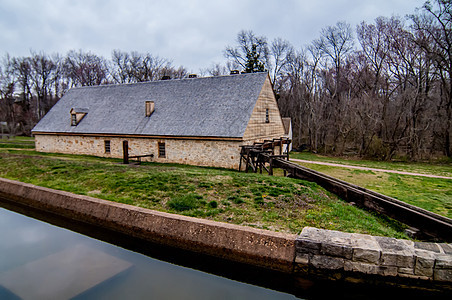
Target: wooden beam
[125,152]
[112,135]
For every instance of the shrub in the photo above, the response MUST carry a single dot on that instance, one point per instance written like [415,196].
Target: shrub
[235,199]
[186,202]
[259,201]
[213,204]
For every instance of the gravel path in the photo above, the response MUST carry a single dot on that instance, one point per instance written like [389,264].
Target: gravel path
[368,169]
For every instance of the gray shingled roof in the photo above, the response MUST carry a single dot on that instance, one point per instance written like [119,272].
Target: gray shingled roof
[206,107]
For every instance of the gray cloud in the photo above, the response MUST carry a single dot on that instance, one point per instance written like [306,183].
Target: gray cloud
[192,33]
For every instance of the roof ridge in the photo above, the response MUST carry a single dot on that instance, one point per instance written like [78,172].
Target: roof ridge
[160,80]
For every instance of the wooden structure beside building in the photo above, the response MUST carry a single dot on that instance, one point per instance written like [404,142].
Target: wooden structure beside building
[197,121]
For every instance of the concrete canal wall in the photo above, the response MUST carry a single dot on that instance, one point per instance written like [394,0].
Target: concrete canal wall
[323,254]
[262,248]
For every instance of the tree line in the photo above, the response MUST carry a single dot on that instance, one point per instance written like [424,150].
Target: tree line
[30,86]
[380,90]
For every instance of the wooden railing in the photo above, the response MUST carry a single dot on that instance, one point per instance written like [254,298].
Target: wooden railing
[127,158]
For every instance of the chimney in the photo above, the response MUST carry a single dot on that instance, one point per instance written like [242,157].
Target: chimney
[150,107]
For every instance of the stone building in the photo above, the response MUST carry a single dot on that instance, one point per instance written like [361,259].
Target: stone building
[197,121]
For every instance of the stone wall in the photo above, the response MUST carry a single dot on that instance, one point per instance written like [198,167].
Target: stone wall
[346,255]
[225,154]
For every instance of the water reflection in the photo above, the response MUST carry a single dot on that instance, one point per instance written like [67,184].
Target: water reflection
[38,260]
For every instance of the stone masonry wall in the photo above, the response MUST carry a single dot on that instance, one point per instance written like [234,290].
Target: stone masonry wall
[352,253]
[225,154]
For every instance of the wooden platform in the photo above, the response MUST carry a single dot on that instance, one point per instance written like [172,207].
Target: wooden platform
[62,275]
[259,155]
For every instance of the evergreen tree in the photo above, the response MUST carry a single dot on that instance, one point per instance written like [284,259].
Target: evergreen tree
[253,64]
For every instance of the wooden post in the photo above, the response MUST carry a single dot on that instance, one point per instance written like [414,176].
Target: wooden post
[270,170]
[125,151]
[255,164]
[241,157]
[280,146]
[247,160]
[287,149]
[260,163]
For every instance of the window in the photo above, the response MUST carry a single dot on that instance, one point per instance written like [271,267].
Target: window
[162,152]
[267,117]
[107,146]
[77,114]
[73,120]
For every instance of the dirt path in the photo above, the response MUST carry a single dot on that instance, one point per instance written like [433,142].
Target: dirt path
[368,169]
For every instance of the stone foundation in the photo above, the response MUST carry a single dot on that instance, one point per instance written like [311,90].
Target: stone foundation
[212,153]
[343,255]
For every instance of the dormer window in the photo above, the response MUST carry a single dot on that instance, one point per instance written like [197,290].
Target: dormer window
[149,108]
[77,114]
[73,120]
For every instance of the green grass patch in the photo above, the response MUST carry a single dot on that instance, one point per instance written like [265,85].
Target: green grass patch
[17,143]
[433,194]
[441,167]
[186,202]
[260,201]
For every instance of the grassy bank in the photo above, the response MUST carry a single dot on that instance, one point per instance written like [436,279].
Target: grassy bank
[275,203]
[433,194]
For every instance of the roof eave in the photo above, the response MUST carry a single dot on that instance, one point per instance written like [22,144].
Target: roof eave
[213,138]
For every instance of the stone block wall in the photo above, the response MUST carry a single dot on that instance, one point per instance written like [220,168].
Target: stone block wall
[213,153]
[351,253]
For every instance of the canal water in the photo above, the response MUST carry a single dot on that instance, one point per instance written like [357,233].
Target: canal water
[42,261]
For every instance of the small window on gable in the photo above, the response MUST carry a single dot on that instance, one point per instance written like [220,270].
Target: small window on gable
[267,116]
[107,146]
[73,120]
[162,150]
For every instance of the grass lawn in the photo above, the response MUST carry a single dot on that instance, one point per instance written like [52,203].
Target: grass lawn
[17,142]
[275,203]
[441,167]
[433,194]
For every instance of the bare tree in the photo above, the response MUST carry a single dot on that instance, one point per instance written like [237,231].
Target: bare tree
[138,67]
[7,84]
[434,25]
[336,42]
[85,69]
[42,76]
[121,71]
[281,53]
[22,70]
[216,70]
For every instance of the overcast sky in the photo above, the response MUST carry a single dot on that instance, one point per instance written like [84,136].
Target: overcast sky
[191,33]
